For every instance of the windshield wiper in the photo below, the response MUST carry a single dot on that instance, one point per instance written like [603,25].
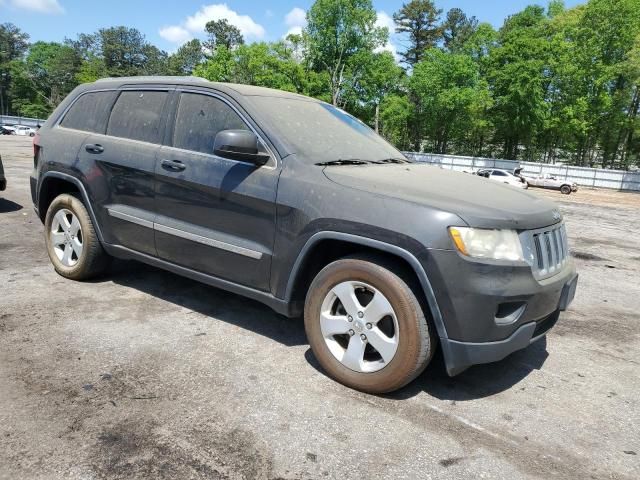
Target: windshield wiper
[345,161]
[393,160]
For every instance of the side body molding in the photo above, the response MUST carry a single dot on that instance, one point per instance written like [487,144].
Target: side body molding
[385,247]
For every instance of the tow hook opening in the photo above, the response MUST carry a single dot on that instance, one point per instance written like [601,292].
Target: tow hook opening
[509,312]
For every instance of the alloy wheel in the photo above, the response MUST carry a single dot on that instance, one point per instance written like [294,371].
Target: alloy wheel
[66,237]
[359,326]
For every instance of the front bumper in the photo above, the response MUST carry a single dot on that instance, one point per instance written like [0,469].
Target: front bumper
[490,311]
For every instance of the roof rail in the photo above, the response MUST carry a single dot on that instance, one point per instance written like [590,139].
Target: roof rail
[149,78]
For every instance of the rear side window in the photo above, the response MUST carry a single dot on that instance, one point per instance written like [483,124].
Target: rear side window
[498,173]
[90,112]
[136,115]
[200,118]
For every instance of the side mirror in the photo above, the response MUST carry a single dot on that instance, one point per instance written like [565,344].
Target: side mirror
[239,145]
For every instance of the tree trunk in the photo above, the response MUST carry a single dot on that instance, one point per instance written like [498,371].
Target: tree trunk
[377,117]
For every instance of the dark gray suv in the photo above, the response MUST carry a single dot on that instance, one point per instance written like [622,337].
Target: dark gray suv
[297,204]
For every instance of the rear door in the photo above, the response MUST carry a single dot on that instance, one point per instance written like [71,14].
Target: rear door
[214,215]
[123,160]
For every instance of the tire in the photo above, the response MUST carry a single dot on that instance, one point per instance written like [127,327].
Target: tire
[565,189]
[406,326]
[87,258]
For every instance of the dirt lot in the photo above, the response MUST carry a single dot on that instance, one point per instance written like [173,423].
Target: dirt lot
[145,374]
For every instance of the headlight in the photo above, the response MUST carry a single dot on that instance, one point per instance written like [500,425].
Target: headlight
[481,243]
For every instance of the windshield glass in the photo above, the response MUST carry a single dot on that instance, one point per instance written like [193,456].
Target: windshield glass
[322,132]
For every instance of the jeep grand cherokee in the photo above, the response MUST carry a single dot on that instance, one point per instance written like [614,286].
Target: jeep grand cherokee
[297,204]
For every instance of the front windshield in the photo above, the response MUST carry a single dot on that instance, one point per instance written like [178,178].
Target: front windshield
[323,133]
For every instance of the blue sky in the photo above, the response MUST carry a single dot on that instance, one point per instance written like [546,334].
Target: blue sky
[168,24]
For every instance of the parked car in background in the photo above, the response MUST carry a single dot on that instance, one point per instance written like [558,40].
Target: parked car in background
[549,181]
[7,130]
[24,130]
[292,202]
[503,176]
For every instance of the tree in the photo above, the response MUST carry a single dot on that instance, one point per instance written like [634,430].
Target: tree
[379,77]
[337,31]
[185,60]
[517,68]
[13,45]
[396,112]
[419,20]
[457,29]
[222,33]
[451,94]
[269,65]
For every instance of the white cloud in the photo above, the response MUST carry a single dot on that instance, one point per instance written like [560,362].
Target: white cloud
[194,24]
[39,6]
[175,34]
[297,17]
[219,11]
[385,20]
[293,31]
[296,20]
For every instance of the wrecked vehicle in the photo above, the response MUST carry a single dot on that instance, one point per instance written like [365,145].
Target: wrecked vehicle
[549,181]
[295,203]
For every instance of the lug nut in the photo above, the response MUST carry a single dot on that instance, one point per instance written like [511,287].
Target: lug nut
[350,318]
[369,326]
[360,314]
[363,336]
[352,333]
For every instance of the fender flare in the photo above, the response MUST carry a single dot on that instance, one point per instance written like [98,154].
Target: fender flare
[83,193]
[378,245]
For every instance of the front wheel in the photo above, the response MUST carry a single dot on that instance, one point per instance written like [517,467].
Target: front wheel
[366,327]
[565,189]
[72,243]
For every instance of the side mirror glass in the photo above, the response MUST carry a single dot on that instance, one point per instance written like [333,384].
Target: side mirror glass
[239,145]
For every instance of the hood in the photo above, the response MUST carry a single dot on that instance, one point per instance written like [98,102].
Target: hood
[478,201]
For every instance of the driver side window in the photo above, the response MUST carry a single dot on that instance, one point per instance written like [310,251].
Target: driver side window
[199,118]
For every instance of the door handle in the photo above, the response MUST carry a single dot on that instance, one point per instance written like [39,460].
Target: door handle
[94,148]
[173,165]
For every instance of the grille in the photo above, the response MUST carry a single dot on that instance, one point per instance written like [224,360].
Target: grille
[547,250]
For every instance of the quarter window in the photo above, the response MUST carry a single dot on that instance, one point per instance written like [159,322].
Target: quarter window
[137,114]
[90,112]
[199,119]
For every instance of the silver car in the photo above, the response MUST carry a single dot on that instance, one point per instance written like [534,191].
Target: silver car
[549,181]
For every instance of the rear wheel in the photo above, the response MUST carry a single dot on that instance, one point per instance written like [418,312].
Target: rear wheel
[566,189]
[72,243]
[366,327]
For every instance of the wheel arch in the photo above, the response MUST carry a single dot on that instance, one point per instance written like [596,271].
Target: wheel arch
[325,247]
[57,183]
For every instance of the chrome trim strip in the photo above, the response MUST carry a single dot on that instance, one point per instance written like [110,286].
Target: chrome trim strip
[208,241]
[130,218]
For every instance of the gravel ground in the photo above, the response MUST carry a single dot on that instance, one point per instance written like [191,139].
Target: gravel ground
[144,374]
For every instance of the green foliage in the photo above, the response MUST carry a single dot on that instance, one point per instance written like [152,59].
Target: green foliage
[451,93]
[418,20]
[337,32]
[552,84]
[185,60]
[222,34]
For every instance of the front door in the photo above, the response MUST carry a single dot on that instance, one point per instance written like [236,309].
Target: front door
[214,215]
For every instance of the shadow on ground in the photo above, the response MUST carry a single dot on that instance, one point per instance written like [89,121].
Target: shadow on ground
[7,206]
[212,302]
[477,382]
